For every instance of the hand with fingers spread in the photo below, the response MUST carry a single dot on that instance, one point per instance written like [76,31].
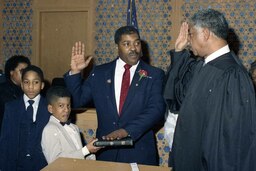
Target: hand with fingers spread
[78,60]
[118,134]
[182,40]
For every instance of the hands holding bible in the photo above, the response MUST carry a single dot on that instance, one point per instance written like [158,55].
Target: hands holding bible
[118,134]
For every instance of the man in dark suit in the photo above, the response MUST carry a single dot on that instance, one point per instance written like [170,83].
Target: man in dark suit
[23,123]
[10,89]
[142,108]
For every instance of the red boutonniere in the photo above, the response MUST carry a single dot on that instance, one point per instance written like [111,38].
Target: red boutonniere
[143,74]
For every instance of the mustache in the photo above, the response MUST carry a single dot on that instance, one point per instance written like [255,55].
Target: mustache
[133,53]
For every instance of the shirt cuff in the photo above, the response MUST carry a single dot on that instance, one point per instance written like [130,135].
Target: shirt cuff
[85,151]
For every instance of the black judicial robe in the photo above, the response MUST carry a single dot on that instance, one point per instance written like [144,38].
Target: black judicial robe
[175,93]
[215,130]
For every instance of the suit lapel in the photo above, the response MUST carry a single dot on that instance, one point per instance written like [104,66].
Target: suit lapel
[110,86]
[40,111]
[68,138]
[77,136]
[41,116]
[64,132]
[22,111]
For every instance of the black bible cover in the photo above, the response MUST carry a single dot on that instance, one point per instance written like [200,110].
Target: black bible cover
[121,142]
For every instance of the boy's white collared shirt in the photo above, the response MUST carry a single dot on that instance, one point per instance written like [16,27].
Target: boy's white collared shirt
[35,104]
[119,71]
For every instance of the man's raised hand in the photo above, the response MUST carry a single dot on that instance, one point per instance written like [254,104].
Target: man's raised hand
[78,59]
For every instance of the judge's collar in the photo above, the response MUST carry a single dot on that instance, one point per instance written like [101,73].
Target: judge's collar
[216,54]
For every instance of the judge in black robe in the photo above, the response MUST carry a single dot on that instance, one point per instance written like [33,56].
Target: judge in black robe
[253,73]
[215,130]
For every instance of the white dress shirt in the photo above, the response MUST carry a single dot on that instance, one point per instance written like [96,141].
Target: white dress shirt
[119,71]
[35,104]
[217,54]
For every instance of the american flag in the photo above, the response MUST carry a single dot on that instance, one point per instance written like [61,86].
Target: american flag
[131,14]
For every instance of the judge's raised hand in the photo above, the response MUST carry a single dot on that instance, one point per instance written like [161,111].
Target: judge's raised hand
[182,40]
[118,134]
[78,60]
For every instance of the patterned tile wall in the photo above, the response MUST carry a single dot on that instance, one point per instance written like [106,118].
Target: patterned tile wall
[154,24]
[242,21]
[17,28]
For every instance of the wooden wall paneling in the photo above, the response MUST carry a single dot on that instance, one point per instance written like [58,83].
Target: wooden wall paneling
[57,26]
[57,38]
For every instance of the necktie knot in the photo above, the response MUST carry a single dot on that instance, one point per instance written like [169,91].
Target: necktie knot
[127,66]
[31,102]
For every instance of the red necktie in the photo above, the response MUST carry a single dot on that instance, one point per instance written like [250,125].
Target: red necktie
[125,86]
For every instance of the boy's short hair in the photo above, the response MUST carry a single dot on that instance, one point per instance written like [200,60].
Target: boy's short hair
[35,69]
[56,92]
[13,62]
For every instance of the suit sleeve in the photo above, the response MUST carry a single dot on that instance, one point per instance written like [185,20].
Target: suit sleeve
[178,77]
[153,111]
[4,145]
[79,88]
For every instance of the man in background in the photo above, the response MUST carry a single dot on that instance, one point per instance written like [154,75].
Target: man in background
[10,89]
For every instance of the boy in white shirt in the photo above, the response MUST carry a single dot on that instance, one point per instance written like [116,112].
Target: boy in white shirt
[61,138]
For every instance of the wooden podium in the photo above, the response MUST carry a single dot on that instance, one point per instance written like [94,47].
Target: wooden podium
[68,164]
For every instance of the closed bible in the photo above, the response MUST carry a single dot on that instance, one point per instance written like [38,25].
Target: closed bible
[121,142]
